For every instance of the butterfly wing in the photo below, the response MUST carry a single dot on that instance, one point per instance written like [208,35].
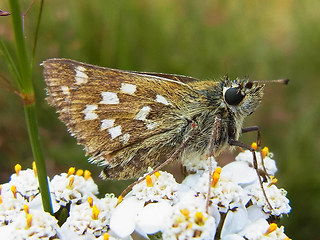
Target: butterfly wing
[176,77]
[115,113]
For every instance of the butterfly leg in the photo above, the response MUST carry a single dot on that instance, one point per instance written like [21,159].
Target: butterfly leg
[214,138]
[251,129]
[255,165]
[173,157]
[256,128]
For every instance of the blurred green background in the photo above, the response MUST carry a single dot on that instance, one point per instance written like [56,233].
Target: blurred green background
[266,39]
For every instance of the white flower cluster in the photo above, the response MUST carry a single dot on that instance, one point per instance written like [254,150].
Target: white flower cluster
[22,215]
[237,208]
[68,188]
[158,207]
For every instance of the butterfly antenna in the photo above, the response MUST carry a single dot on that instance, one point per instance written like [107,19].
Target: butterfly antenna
[282,81]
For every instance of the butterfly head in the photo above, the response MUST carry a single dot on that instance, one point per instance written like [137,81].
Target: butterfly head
[242,96]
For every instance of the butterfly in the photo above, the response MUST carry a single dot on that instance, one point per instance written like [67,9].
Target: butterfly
[129,121]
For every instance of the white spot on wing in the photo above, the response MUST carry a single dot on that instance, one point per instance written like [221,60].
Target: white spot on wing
[124,138]
[106,123]
[89,112]
[142,114]
[65,90]
[162,99]
[115,131]
[109,98]
[80,77]
[128,88]
[151,125]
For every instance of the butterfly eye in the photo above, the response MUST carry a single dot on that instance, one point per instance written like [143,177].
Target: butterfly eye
[233,96]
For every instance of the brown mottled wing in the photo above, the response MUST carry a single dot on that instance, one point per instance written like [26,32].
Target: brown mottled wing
[176,77]
[108,110]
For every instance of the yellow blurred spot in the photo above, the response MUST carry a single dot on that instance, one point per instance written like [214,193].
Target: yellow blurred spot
[0,199]
[95,212]
[216,176]
[199,219]
[177,222]
[185,212]
[273,181]
[90,201]
[189,225]
[79,172]
[34,167]
[87,174]
[14,191]
[264,152]
[71,171]
[149,181]
[26,208]
[272,228]
[71,181]
[17,168]
[106,236]
[29,220]
[254,145]
[120,198]
[0,188]
[157,174]
[218,170]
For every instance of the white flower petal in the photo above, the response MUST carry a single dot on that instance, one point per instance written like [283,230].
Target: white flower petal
[189,181]
[234,222]
[255,212]
[269,163]
[153,217]
[239,172]
[213,211]
[123,219]
[256,229]
[233,237]
[6,231]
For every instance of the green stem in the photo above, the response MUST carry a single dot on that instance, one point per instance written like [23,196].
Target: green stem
[24,65]
[32,125]
[27,94]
